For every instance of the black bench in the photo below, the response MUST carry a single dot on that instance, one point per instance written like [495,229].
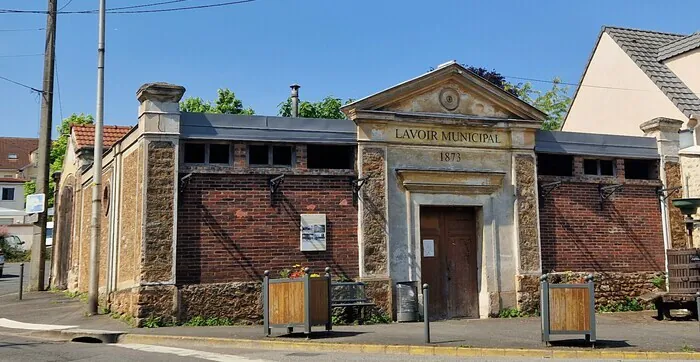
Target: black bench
[350,294]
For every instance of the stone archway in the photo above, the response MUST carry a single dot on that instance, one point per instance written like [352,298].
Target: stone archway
[62,240]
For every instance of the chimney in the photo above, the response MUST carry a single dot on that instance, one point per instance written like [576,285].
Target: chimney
[295,99]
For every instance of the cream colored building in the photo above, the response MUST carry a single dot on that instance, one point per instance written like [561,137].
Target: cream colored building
[633,76]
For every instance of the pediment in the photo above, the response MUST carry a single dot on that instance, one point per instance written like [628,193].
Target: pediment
[448,90]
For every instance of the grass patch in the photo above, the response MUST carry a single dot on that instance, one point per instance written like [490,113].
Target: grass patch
[199,321]
[514,313]
[628,305]
[687,348]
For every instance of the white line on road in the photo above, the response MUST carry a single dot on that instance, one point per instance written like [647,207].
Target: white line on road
[187,353]
[8,323]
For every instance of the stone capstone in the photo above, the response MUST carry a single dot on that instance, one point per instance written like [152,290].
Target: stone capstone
[160,92]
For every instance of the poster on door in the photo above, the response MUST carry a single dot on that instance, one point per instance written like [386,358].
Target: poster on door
[428,248]
[313,232]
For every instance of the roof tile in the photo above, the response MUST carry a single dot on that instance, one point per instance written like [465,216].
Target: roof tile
[22,147]
[84,135]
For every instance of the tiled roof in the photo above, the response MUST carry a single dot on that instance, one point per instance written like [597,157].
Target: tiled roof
[85,135]
[677,47]
[643,47]
[22,147]
[12,179]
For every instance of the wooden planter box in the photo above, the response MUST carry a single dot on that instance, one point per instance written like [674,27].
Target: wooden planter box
[302,302]
[567,309]
[683,271]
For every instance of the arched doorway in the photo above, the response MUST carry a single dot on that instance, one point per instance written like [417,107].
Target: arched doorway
[62,240]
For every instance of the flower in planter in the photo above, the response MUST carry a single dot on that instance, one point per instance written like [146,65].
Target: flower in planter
[297,271]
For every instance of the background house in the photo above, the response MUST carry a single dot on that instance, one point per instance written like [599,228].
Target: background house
[633,76]
[17,166]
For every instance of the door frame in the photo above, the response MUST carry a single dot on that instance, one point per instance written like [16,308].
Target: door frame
[486,229]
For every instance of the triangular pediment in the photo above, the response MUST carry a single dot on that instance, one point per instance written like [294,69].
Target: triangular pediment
[448,90]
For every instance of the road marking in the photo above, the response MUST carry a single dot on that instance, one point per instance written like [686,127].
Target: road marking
[8,323]
[187,353]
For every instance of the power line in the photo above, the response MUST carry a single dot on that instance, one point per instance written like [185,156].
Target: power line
[128,9]
[21,55]
[585,85]
[63,7]
[22,85]
[17,30]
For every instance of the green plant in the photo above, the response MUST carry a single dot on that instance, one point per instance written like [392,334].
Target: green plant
[378,318]
[199,321]
[10,245]
[628,305]
[512,313]
[659,282]
[153,322]
[687,348]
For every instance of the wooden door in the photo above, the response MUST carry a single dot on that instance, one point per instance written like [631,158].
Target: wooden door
[452,270]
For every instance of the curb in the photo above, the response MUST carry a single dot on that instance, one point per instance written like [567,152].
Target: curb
[80,335]
[415,350]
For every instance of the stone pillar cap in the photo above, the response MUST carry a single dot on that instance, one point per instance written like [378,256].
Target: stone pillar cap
[661,124]
[160,92]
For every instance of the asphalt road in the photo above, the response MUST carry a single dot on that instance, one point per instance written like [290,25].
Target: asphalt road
[23,348]
[9,282]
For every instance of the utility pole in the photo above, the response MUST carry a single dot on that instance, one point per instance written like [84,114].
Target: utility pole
[97,169]
[37,269]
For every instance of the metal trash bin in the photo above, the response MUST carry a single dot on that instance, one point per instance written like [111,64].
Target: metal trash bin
[407,303]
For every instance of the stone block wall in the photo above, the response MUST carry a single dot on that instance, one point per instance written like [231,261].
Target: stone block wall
[612,288]
[625,236]
[240,302]
[676,221]
[374,222]
[104,228]
[84,249]
[130,224]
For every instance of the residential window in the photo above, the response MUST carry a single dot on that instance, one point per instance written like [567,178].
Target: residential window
[12,156]
[208,153]
[555,165]
[641,169]
[267,155]
[330,156]
[9,176]
[599,167]
[8,194]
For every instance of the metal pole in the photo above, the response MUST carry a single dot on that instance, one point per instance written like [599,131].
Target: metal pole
[426,317]
[21,280]
[97,169]
[697,301]
[37,265]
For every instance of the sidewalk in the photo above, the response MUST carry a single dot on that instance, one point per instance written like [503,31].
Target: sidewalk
[617,333]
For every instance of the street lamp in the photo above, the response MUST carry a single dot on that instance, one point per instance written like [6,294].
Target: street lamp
[688,207]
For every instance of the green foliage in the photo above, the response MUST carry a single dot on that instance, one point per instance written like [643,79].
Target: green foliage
[10,245]
[350,315]
[58,152]
[554,102]
[226,103]
[628,305]
[199,321]
[124,318]
[378,318]
[512,313]
[659,282]
[686,348]
[328,108]
[153,322]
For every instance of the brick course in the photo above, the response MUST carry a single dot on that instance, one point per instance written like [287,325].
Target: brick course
[228,230]
[625,236]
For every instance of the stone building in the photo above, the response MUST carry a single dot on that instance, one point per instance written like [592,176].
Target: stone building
[444,179]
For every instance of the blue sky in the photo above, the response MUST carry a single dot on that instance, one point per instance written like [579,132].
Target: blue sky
[348,49]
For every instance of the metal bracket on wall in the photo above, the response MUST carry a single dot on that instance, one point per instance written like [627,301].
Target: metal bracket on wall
[666,193]
[184,181]
[274,184]
[606,192]
[356,187]
[546,189]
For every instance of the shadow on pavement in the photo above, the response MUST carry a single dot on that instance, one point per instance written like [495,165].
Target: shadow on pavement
[599,344]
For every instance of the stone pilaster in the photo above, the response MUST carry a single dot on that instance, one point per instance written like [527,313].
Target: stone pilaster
[159,120]
[665,130]
[529,258]
[374,228]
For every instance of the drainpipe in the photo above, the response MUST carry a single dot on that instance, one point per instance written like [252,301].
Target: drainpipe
[295,99]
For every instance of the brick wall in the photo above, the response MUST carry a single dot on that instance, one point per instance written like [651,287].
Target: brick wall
[228,230]
[625,236]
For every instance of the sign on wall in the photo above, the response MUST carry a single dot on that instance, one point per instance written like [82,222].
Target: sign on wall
[313,232]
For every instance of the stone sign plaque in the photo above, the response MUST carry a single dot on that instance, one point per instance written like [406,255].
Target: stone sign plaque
[449,136]
[313,232]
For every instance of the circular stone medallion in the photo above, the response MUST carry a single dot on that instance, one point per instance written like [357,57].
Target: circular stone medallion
[449,98]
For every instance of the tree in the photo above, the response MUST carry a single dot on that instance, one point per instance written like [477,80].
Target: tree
[226,103]
[329,108]
[554,102]
[58,152]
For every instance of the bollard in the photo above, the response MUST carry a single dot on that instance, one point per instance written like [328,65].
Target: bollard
[21,279]
[697,301]
[426,317]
